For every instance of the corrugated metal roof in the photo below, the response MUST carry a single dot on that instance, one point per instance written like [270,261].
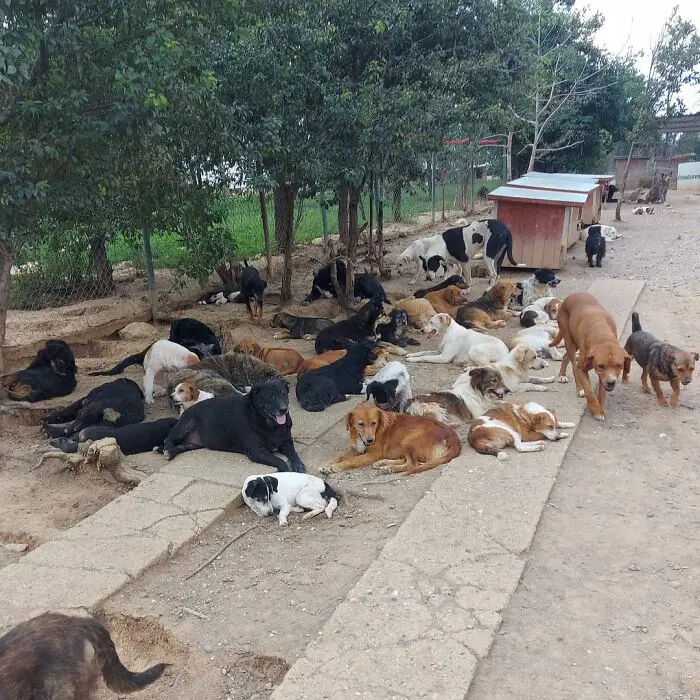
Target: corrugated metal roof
[580,176]
[524,194]
[556,183]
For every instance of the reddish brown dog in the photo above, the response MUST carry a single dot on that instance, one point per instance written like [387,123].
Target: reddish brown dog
[586,327]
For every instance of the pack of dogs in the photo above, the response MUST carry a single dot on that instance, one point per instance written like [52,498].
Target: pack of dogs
[238,401]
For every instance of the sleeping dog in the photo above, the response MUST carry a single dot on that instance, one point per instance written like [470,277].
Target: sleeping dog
[298,327]
[534,287]
[196,336]
[352,330]
[366,286]
[289,493]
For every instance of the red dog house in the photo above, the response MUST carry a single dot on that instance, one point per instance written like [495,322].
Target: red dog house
[544,223]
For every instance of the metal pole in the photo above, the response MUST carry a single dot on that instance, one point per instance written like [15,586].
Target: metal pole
[432,187]
[150,275]
[324,219]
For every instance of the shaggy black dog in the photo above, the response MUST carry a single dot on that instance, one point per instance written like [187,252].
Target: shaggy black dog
[252,289]
[320,388]
[256,425]
[50,374]
[352,330]
[132,439]
[394,331]
[595,246]
[116,403]
[366,286]
[455,280]
[195,336]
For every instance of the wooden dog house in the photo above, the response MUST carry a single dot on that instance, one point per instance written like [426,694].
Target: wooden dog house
[544,222]
[590,213]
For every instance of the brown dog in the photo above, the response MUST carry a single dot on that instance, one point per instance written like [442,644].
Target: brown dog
[396,442]
[419,311]
[284,360]
[331,356]
[448,300]
[490,309]
[586,327]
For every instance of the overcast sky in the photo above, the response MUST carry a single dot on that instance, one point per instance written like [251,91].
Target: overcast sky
[635,24]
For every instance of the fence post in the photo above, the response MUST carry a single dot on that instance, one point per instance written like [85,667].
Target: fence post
[432,187]
[150,275]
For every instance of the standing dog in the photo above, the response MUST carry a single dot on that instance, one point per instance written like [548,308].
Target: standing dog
[595,246]
[586,327]
[661,362]
[253,288]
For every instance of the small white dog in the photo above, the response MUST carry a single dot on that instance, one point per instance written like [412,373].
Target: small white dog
[185,395]
[289,492]
[459,344]
[538,339]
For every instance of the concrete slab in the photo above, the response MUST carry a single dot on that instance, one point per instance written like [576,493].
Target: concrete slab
[308,427]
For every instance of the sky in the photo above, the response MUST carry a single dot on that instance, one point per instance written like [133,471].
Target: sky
[635,24]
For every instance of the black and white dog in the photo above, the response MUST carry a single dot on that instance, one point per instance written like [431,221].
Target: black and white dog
[391,387]
[534,287]
[289,492]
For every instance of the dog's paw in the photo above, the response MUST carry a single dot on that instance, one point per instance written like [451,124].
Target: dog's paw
[580,393]
[540,445]
[158,449]
[167,455]
[562,436]
[283,521]
[563,379]
[625,380]
[383,468]
[308,336]
[599,417]
[327,469]
[502,456]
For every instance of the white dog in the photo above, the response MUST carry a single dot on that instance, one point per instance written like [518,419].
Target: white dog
[541,312]
[515,370]
[289,492]
[538,339]
[459,344]
[161,357]
[185,395]
[391,387]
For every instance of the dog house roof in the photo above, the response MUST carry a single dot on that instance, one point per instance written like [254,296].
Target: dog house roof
[539,196]
[562,184]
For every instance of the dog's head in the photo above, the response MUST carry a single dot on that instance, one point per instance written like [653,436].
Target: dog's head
[546,276]
[282,320]
[607,360]
[455,296]
[404,262]
[526,358]
[371,311]
[383,393]
[434,266]
[456,281]
[257,493]
[184,393]
[248,346]
[57,355]
[543,421]
[437,325]
[270,400]
[683,365]
[398,317]
[363,424]
[488,382]
[551,308]
[503,291]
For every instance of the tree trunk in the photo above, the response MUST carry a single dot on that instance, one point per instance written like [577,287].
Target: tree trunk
[285,194]
[379,194]
[102,266]
[5,289]
[266,231]
[353,235]
[343,213]
[396,204]
[621,191]
[370,238]
[509,157]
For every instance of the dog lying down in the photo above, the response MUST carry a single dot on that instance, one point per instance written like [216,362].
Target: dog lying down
[289,493]
[61,657]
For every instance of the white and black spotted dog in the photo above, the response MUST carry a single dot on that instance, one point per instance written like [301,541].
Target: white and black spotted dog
[537,285]
[289,492]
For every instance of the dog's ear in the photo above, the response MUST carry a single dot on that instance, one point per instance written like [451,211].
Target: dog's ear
[253,487]
[587,364]
[271,483]
[349,421]
[695,355]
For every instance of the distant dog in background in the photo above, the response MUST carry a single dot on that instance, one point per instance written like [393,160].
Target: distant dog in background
[366,286]
[253,288]
[298,327]
[50,374]
[595,247]
[453,280]
[196,336]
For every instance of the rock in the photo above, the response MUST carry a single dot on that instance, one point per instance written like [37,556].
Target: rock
[138,331]
[16,546]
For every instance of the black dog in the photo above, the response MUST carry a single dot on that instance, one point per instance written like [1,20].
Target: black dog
[595,246]
[366,286]
[116,403]
[50,374]
[256,425]
[455,280]
[132,439]
[298,326]
[352,330]
[319,388]
[195,336]
[394,331]
[252,288]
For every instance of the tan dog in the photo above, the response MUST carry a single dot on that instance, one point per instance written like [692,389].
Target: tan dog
[395,442]
[448,300]
[284,360]
[586,327]
[419,311]
[490,309]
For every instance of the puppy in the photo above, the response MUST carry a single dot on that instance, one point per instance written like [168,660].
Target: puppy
[534,287]
[50,374]
[538,338]
[391,387]
[540,312]
[522,426]
[515,370]
[595,246]
[447,301]
[453,280]
[394,331]
[395,442]
[286,361]
[289,493]
[238,368]
[52,657]
[355,329]
[185,395]
[298,327]
[662,362]
[489,310]
[253,288]
[419,311]
[196,336]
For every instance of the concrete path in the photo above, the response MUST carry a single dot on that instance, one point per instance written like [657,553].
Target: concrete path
[423,615]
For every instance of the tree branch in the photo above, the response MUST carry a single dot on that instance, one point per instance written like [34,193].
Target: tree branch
[560,148]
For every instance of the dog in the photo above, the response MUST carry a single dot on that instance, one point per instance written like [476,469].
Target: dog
[458,344]
[643,210]
[132,439]
[586,327]
[495,240]
[660,362]
[515,370]
[366,286]
[185,395]
[284,360]
[609,233]
[532,288]
[322,387]
[489,310]
[238,368]
[330,356]
[522,426]
[610,194]
[50,374]
[453,280]
[595,246]
[57,657]
[253,288]
[196,336]
[435,265]
[289,493]
[447,300]
[391,387]
[298,327]
[257,425]
[205,380]
[157,358]
[473,393]
[540,312]
[538,338]
[419,311]
[355,329]
[113,404]
[394,330]
[395,442]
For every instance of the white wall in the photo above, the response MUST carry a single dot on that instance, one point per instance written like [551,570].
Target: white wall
[689,176]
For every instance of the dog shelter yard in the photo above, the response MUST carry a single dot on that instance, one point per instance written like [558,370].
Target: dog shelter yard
[569,573]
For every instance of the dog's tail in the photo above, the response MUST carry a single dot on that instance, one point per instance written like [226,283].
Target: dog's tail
[509,252]
[136,359]
[636,325]
[116,676]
